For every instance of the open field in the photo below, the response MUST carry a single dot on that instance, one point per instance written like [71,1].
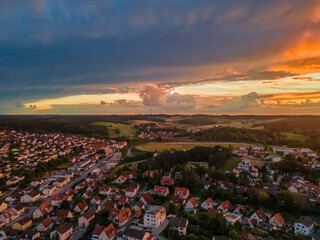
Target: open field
[160,146]
[269,120]
[294,137]
[117,129]
[132,165]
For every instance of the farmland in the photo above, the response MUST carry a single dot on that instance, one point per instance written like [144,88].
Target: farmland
[118,129]
[160,146]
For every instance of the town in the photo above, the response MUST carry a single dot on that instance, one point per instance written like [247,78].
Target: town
[60,186]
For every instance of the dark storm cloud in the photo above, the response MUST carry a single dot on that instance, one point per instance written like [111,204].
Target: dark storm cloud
[65,47]
[79,42]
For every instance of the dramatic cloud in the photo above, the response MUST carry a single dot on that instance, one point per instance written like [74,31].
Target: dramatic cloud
[67,48]
[180,103]
[154,95]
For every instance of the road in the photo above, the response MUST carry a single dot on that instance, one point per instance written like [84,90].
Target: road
[29,213]
[78,233]
[129,154]
[101,164]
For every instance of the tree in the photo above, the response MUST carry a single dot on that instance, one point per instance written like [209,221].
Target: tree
[286,200]
[65,204]
[263,198]
[219,224]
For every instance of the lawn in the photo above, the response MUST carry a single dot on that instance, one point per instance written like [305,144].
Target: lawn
[65,165]
[118,129]
[160,146]
[231,164]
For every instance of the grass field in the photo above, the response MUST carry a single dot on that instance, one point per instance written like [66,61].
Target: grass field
[231,163]
[118,129]
[133,166]
[158,146]
[294,137]
[65,165]
[269,120]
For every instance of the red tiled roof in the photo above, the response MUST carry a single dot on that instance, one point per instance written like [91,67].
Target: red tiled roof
[279,218]
[181,190]
[98,230]
[213,211]
[193,201]
[110,231]
[226,204]
[147,197]
[261,214]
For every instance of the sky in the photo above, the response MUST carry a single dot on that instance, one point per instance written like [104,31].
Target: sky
[160,56]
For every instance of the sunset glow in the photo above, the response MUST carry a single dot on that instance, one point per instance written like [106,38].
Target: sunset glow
[104,57]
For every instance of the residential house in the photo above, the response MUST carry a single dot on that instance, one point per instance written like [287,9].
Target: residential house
[71,191]
[205,184]
[30,197]
[134,234]
[161,190]
[242,152]
[63,232]
[95,200]
[259,215]
[104,190]
[129,174]
[231,218]
[95,207]
[45,225]
[207,203]
[60,182]
[104,233]
[146,198]
[86,219]
[192,203]
[130,192]
[167,175]
[43,210]
[181,192]
[304,225]
[223,185]
[81,207]
[139,205]
[154,216]
[122,200]
[49,191]
[265,226]
[177,200]
[179,224]
[148,174]
[7,233]
[18,209]
[58,199]
[224,206]
[240,210]
[277,220]
[167,181]
[63,213]
[30,235]
[87,194]
[123,217]
[22,224]
[37,181]
[3,206]
[120,180]
[213,211]
[8,216]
